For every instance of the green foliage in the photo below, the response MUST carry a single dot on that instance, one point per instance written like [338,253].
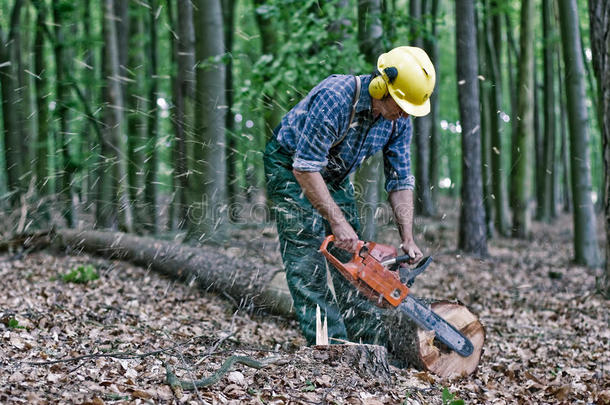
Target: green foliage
[450,399]
[14,324]
[81,275]
[309,386]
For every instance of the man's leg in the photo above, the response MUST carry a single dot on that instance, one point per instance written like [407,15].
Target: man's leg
[363,320]
[301,230]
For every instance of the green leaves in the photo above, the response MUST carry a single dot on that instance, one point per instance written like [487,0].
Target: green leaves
[450,399]
[81,275]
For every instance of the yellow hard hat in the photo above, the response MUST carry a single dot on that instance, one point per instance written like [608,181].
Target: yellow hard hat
[410,83]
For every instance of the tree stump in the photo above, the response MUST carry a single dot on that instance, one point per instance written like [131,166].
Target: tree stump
[369,361]
[414,347]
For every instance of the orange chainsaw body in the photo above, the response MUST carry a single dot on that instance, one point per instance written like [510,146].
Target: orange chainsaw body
[366,272]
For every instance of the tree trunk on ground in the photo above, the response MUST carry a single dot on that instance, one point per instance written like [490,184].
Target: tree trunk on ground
[524,127]
[207,186]
[255,286]
[472,235]
[370,33]
[115,132]
[599,17]
[586,250]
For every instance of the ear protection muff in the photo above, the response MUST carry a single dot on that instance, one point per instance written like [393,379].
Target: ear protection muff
[378,88]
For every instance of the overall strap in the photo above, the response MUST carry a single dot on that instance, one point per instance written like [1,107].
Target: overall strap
[353,112]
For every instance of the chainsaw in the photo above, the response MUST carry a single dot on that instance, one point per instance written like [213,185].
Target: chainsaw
[376,271]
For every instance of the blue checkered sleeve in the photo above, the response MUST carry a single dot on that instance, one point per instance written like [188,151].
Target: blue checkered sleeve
[397,159]
[321,129]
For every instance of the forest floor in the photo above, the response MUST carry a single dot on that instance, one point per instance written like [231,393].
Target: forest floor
[106,341]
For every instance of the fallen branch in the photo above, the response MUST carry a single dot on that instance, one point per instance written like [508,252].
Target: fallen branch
[174,382]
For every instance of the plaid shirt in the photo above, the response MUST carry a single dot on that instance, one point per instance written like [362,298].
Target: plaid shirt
[310,130]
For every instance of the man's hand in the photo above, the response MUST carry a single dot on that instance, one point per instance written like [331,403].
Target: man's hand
[345,236]
[410,248]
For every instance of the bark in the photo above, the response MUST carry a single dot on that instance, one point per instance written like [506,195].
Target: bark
[182,116]
[114,119]
[432,47]
[233,187]
[207,185]
[586,250]
[493,40]
[369,361]
[472,235]
[599,17]
[370,32]
[42,85]
[524,127]
[137,107]
[69,210]
[10,106]
[548,210]
[421,129]
[151,189]
[256,286]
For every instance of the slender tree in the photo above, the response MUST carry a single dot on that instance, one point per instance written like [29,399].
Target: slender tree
[494,41]
[472,235]
[10,107]
[421,127]
[585,235]
[114,120]
[599,17]
[151,189]
[370,34]
[207,199]
[42,109]
[431,45]
[548,209]
[524,128]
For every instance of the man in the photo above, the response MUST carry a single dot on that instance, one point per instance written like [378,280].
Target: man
[325,137]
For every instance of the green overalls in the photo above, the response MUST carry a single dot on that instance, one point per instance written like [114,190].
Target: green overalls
[301,231]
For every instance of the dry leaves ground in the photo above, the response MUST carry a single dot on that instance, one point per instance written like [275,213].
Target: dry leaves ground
[548,334]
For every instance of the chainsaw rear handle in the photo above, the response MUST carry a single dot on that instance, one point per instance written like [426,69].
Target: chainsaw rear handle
[336,262]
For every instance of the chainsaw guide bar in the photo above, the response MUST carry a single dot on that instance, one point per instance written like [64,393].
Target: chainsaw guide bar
[376,272]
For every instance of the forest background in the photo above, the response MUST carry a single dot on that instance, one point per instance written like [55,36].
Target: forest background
[150,117]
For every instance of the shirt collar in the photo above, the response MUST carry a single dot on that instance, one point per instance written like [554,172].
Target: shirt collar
[364,102]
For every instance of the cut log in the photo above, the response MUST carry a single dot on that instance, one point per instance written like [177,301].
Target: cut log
[369,361]
[414,347]
[251,284]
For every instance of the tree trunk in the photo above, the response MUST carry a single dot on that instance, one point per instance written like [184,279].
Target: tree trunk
[585,235]
[524,127]
[549,167]
[207,200]
[43,184]
[599,17]
[472,235]
[370,32]
[493,40]
[151,182]
[10,105]
[115,132]
[258,287]
[432,47]
[137,111]
[421,129]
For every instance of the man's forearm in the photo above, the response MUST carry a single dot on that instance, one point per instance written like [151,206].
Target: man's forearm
[317,193]
[402,205]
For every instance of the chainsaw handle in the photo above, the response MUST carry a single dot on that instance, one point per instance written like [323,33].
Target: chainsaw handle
[336,262]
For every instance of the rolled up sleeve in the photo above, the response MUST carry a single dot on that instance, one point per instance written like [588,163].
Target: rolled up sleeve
[320,131]
[397,159]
